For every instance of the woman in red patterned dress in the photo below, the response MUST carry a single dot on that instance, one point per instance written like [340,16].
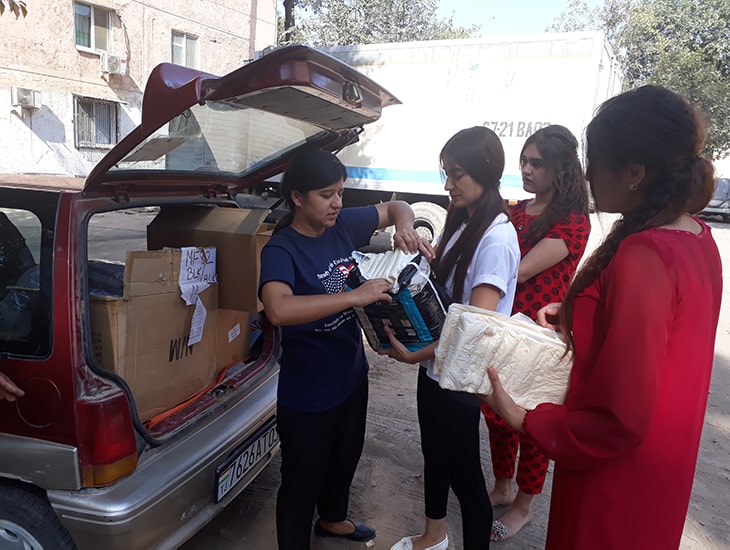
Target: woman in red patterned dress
[640,316]
[552,229]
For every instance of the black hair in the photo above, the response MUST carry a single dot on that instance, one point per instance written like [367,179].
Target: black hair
[479,152]
[558,148]
[658,129]
[310,170]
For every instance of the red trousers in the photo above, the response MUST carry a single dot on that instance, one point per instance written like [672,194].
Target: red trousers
[503,443]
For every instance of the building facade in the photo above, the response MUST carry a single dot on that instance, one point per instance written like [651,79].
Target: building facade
[72,73]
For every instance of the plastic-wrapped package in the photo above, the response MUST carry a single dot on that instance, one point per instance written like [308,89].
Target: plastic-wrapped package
[419,304]
[530,359]
[20,304]
[106,278]
[17,307]
[15,257]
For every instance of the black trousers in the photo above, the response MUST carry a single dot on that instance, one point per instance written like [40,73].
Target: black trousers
[319,456]
[449,424]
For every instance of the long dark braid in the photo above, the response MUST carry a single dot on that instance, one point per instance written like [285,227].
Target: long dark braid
[656,128]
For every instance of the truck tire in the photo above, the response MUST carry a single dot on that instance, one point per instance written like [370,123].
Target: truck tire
[381,241]
[27,521]
[430,219]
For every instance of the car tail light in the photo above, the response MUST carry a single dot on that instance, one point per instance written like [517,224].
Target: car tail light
[108,448]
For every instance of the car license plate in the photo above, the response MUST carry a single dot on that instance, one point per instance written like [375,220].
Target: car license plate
[233,470]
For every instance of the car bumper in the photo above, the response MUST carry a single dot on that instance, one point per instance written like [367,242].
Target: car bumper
[172,493]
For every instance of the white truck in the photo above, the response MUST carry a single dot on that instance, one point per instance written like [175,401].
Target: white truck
[513,85]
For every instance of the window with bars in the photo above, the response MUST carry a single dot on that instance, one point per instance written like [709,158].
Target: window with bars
[185,50]
[91,27]
[96,122]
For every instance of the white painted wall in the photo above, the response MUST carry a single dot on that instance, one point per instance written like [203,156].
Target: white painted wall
[39,52]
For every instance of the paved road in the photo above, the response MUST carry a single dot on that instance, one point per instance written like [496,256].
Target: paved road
[387,490]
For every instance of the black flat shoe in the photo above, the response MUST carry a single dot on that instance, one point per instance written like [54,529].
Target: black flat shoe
[362,532]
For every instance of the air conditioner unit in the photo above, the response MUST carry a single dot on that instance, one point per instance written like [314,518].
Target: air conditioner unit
[113,64]
[25,97]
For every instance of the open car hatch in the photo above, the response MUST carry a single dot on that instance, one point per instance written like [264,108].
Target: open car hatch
[204,133]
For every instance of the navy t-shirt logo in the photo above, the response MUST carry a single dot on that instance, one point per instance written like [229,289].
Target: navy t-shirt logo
[334,281]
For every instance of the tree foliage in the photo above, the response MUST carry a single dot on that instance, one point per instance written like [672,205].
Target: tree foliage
[683,45]
[16,7]
[324,23]
[578,16]
[285,34]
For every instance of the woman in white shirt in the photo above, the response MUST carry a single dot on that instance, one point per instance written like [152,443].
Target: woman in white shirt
[477,260]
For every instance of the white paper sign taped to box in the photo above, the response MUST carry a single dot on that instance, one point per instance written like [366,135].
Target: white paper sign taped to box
[197,272]
[530,359]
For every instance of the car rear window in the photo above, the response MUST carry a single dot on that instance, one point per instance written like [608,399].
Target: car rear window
[219,137]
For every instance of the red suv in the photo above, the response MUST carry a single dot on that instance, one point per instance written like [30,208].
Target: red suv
[144,416]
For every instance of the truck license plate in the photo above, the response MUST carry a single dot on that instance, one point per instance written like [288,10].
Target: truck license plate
[233,470]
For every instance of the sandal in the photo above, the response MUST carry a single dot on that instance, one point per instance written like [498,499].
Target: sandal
[500,531]
[406,543]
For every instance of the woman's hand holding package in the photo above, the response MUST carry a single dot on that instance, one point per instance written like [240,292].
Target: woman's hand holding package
[396,350]
[408,240]
[548,316]
[401,353]
[374,290]
[502,402]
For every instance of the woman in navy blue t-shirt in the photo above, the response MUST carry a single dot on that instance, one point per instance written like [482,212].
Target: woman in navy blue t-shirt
[323,388]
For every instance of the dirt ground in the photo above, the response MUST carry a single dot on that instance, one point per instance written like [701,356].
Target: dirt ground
[387,490]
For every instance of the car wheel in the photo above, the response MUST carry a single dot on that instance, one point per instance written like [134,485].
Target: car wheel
[27,522]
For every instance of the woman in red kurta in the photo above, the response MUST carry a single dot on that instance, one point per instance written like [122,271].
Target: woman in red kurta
[553,230]
[641,317]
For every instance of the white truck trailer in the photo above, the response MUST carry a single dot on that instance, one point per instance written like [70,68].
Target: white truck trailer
[512,84]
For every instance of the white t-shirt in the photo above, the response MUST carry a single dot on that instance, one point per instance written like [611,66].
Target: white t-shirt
[496,262]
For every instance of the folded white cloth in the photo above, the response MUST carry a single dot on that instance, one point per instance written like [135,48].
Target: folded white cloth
[529,358]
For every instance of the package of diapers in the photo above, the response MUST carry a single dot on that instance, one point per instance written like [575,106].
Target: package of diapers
[419,305]
[530,359]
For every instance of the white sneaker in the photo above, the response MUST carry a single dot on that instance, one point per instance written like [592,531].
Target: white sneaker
[406,543]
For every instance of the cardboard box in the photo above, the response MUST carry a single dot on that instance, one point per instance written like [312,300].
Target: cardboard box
[143,336]
[238,236]
[234,336]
